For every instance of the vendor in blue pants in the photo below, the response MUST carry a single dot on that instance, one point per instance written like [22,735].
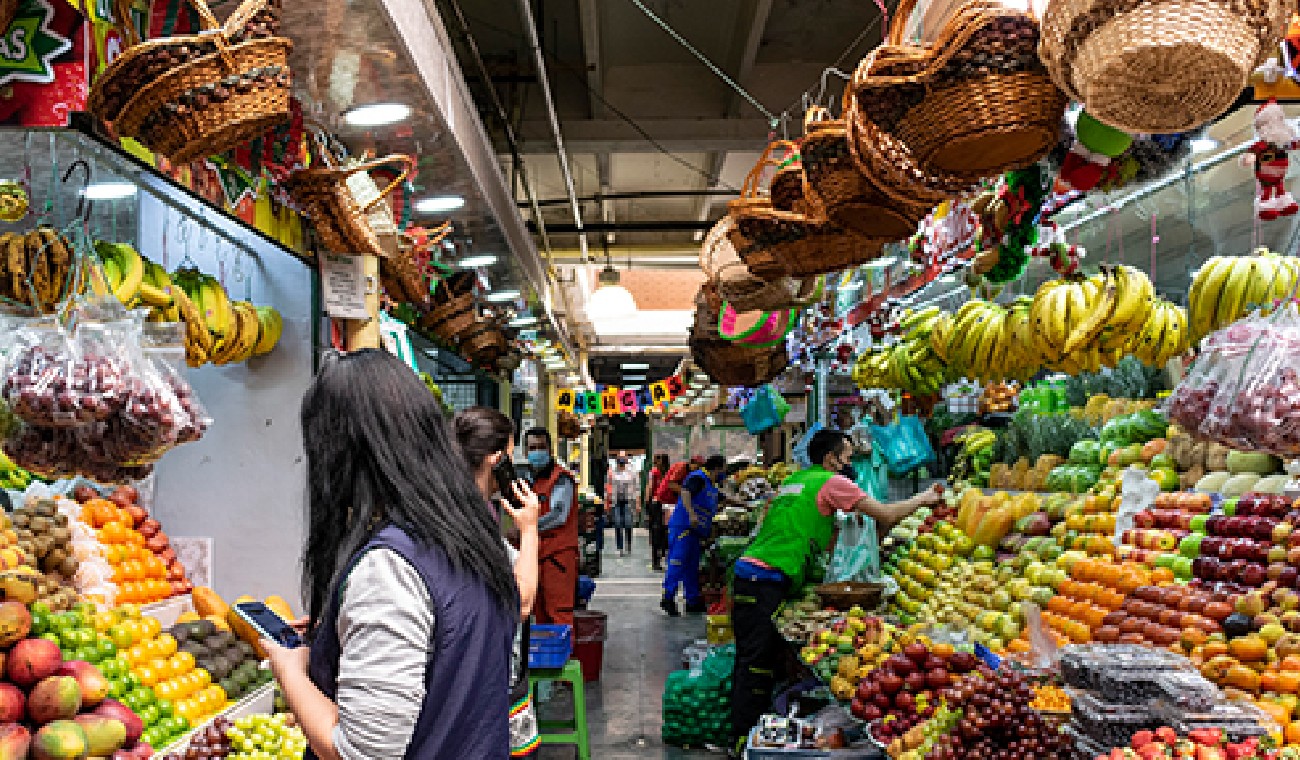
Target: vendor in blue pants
[689,527]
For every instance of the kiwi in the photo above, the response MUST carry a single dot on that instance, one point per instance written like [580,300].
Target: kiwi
[61,534]
[68,567]
[21,520]
[61,520]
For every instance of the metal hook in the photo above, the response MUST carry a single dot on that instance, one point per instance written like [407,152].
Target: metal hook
[84,206]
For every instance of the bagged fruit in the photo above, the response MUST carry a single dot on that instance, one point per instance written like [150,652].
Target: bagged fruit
[1257,406]
[53,382]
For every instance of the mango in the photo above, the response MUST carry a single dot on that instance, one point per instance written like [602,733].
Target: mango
[94,686]
[32,660]
[55,698]
[15,741]
[60,740]
[104,736]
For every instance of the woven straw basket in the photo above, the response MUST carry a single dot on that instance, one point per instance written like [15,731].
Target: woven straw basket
[1153,66]
[341,222]
[848,197]
[977,102]
[733,282]
[197,95]
[8,12]
[775,243]
[484,341]
[731,363]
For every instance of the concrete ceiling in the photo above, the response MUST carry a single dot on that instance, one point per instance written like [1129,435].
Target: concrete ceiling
[657,143]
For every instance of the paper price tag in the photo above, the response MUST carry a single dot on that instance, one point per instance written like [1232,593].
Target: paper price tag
[343,286]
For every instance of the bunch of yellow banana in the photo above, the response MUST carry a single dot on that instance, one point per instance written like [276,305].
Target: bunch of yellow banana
[988,341]
[1227,288]
[1164,336]
[911,363]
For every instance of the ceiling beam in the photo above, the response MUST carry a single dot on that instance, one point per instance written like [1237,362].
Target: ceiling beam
[673,135]
[746,40]
[589,19]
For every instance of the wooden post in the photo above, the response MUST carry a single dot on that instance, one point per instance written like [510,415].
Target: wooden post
[364,333]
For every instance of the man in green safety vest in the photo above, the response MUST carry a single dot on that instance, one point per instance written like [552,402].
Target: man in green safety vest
[798,528]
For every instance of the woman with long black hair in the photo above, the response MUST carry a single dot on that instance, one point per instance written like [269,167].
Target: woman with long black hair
[486,439]
[411,598]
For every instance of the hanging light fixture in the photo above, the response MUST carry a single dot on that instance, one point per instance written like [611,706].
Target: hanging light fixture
[610,300]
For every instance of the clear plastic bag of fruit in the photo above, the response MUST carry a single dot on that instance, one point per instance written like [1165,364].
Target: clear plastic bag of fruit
[50,382]
[1257,406]
[163,344]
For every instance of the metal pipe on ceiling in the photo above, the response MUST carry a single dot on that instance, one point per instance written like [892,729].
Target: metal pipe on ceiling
[530,28]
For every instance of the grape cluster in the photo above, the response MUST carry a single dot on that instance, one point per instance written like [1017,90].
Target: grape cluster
[998,722]
[209,743]
[265,737]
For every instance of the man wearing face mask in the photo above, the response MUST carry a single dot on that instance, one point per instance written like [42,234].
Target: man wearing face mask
[558,528]
[798,528]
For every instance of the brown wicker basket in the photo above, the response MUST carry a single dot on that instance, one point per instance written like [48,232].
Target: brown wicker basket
[8,12]
[450,318]
[484,340]
[849,197]
[733,282]
[731,363]
[1130,61]
[976,102]
[340,222]
[889,163]
[210,93]
[775,243]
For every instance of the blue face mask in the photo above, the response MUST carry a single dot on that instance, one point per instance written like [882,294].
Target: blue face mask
[539,459]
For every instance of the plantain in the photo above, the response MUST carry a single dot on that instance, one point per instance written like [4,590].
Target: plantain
[16,267]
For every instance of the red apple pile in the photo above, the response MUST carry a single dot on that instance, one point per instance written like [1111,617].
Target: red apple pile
[997,721]
[1251,547]
[903,688]
[52,709]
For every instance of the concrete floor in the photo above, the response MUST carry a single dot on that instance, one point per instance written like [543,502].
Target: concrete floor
[644,646]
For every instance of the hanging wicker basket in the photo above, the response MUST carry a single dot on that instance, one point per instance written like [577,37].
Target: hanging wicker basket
[775,243]
[198,95]
[976,102]
[847,196]
[734,364]
[733,282]
[484,341]
[340,221]
[1158,66]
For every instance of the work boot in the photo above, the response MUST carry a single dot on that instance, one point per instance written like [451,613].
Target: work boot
[697,607]
[670,606]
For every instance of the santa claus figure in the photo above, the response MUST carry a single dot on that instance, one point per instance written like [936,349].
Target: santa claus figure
[1274,138]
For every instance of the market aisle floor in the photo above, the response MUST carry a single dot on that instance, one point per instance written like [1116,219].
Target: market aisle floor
[644,646]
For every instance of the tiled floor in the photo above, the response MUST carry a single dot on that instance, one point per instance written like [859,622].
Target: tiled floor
[644,646]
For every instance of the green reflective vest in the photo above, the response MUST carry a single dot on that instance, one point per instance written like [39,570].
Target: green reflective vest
[794,531]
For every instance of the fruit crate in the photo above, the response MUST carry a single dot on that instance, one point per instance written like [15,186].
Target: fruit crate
[168,611]
[260,702]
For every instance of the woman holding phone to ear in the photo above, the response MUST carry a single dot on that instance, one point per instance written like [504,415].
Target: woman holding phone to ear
[410,592]
[486,439]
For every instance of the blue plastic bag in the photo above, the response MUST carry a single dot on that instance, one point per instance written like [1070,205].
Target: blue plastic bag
[766,410]
[872,474]
[800,450]
[904,444]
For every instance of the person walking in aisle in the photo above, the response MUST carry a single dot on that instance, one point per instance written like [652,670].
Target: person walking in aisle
[798,527]
[688,529]
[670,489]
[622,503]
[412,607]
[558,527]
[655,513]
[486,439]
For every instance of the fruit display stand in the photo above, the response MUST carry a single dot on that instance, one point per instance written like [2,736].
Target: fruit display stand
[259,702]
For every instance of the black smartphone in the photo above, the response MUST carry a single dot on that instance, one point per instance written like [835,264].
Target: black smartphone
[269,624]
[504,472]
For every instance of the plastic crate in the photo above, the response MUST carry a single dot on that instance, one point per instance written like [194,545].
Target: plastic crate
[549,646]
[778,753]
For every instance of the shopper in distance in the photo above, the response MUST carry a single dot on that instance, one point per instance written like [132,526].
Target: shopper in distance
[688,529]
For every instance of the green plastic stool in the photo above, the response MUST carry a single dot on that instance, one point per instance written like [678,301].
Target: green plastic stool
[564,731]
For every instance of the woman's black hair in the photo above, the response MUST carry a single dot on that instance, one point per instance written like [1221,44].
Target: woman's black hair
[482,431]
[379,452]
[663,462]
[825,441]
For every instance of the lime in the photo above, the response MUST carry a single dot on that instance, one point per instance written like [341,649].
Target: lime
[149,715]
[40,622]
[121,636]
[132,681]
[105,646]
[166,708]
